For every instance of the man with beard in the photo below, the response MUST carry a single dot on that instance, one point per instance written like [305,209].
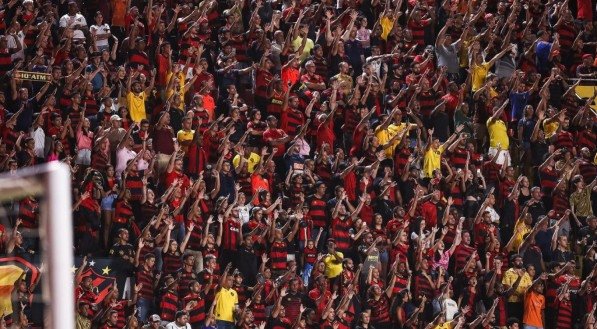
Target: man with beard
[136,96]
[293,300]
[148,280]
[515,300]
[82,319]
[194,302]
[112,320]
[534,304]
[181,321]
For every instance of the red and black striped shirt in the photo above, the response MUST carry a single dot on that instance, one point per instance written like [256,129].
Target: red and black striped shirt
[291,120]
[172,262]
[197,313]
[147,278]
[380,310]
[28,213]
[169,306]
[317,211]
[278,254]
[230,235]
[341,233]
[548,180]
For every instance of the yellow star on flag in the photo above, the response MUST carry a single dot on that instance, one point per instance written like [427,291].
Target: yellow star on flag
[106,270]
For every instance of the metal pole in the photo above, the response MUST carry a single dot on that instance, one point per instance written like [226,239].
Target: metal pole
[59,247]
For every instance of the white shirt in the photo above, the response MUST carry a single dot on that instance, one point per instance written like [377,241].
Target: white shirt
[13,44]
[122,157]
[101,30]
[39,137]
[244,212]
[450,306]
[67,21]
[173,325]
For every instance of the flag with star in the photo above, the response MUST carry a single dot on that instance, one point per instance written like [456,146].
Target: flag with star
[104,272]
[101,283]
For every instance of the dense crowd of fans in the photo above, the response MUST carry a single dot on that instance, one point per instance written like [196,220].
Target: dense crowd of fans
[312,164]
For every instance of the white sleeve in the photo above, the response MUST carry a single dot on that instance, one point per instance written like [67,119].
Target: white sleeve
[63,20]
[82,20]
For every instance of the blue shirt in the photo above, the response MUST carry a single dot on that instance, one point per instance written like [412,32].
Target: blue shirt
[542,51]
[98,80]
[527,126]
[518,101]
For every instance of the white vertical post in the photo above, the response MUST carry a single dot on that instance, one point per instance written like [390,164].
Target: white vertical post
[58,224]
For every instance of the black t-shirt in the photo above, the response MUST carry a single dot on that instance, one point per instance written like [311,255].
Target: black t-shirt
[441,125]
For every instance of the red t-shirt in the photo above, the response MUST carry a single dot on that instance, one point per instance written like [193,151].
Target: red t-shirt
[273,134]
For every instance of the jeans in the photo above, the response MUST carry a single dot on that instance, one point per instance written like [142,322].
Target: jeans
[145,306]
[225,324]
[526,326]
[307,274]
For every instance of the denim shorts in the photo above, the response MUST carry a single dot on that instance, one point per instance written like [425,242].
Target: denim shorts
[108,201]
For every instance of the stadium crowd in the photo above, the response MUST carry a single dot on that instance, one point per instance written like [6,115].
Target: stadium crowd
[370,164]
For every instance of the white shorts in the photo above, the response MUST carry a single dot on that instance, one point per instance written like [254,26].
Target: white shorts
[503,157]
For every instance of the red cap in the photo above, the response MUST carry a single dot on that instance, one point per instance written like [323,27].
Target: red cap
[585,56]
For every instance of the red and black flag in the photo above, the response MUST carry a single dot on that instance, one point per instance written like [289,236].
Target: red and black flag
[101,284]
[13,270]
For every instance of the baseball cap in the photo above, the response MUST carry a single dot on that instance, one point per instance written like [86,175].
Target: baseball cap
[115,117]
[155,318]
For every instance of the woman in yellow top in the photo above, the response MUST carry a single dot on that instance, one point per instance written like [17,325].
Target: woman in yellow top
[479,68]
[552,124]
[432,160]
[522,227]
[136,97]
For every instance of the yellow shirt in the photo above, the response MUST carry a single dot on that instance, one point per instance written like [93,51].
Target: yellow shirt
[445,325]
[296,44]
[519,235]
[181,79]
[136,106]
[386,26]
[510,277]
[333,267]
[345,82]
[252,161]
[479,73]
[226,301]
[385,135]
[432,160]
[184,138]
[498,134]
